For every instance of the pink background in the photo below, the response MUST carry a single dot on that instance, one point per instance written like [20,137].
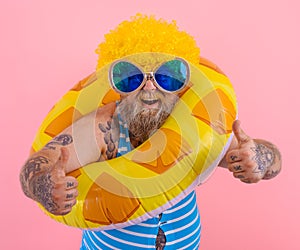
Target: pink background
[47,46]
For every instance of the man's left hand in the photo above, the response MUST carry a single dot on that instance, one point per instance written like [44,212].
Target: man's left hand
[248,160]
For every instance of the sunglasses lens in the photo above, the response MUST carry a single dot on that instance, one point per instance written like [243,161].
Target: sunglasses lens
[172,75]
[126,77]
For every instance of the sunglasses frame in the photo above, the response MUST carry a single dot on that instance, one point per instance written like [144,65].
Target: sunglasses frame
[152,74]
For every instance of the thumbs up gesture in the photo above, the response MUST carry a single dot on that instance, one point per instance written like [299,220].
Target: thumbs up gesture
[248,159]
[53,189]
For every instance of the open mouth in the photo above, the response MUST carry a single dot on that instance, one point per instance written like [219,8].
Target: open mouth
[149,102]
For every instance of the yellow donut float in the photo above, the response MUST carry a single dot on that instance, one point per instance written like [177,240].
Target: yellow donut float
[156,175]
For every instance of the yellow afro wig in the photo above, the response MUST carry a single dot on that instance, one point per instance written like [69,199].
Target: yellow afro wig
[147,34]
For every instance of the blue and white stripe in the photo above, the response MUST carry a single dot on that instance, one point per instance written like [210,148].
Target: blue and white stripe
[181,225]
[124,145]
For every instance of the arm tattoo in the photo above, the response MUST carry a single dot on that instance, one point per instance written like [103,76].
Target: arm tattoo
[61,140]
[111,150]
[32,167]
[24,186]
[42,187]
[264,157]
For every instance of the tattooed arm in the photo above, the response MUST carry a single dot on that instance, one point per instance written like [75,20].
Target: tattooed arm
[251,160]
[44,175]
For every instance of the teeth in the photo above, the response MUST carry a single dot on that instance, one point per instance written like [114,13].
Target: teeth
[149,102]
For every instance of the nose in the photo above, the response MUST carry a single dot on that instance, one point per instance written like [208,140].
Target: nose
[149,85]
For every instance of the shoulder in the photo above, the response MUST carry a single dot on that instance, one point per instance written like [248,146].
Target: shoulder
[105,113]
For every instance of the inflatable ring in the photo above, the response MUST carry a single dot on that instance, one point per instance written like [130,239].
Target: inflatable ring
[156,175]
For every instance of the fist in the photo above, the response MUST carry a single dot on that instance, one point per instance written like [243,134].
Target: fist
[248,160]
[54,190]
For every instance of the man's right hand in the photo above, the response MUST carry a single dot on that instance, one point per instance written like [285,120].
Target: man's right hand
[53,189]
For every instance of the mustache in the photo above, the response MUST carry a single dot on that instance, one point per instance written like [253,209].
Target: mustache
[155,94]
[144,95]
[133,103]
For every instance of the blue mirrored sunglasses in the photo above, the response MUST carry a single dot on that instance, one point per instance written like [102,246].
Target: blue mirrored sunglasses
[171,76]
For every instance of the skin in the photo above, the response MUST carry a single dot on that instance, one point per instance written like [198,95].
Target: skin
[251,160]
[44,175]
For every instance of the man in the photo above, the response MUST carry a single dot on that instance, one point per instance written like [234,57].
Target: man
[138,115]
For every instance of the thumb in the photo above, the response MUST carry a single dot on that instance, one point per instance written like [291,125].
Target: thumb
[62,161]
[240,135]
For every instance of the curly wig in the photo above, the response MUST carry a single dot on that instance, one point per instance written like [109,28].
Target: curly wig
[146,34]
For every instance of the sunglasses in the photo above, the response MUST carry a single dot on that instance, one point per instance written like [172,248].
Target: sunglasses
[171,76]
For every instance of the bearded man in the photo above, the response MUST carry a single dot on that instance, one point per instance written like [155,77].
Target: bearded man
[122,126]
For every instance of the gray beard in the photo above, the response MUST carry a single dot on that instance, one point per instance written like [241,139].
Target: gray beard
[143,122]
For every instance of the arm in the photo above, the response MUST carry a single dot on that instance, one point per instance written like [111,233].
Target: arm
[43,177]
[251,160]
